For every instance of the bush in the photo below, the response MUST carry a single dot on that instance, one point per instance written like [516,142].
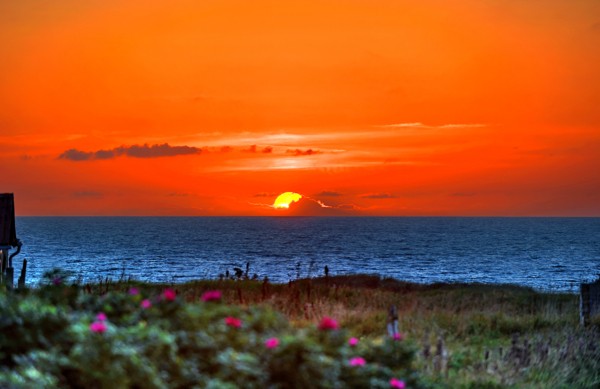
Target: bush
[58,336]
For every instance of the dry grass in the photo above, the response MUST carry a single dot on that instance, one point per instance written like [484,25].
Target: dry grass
[468,335]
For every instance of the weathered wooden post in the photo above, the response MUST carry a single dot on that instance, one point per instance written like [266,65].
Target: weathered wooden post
[8,237]
[589,302]
[584,304]
[23,274]
[392,322]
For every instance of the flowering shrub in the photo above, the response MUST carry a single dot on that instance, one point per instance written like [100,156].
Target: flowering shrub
[211,295]
[233,322]
[98,326]
[357,361]
[146,304]
[396,383]
[169,294]
[328,323]
[271,343]
[132,339]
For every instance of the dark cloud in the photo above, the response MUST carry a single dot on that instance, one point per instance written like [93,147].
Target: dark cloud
[328,194]
[154,151]
[76,155]
[298,152]
[104,154]
[379,196]
[135,151]
[267,150]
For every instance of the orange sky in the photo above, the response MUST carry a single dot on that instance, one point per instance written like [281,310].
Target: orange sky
[429,107]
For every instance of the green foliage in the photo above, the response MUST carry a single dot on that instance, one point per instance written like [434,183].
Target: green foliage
[46,341]
[60,336]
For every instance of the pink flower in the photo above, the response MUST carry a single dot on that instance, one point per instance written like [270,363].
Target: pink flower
[233,322]
[397,384]
[357,361]
[398,336]
[169,294]
[272,342]
[134,291]
[146,304]
[328,323]
[98,327]
[101,316]
[353,342]
[211,295]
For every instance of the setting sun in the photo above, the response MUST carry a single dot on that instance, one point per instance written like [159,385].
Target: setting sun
[285,199]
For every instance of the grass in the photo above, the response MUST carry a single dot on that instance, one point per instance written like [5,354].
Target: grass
[469,335]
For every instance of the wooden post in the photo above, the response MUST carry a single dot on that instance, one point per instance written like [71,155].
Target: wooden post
[23,275]
[10,275]
[584,304]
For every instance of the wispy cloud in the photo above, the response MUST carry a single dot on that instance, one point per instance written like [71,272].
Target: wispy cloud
[265,194]
[464,125]
[379,196]
[401,125]
[134,151]
[421,125]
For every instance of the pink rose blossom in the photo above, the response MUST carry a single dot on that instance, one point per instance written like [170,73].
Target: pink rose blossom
[134,291]
[357,361]
[169,294]
[328,323]
[211,295]
[98,327]
[101,316]
[398,336]
[233,322]
[272,342]
[397,384]
[353,342]
[146,304]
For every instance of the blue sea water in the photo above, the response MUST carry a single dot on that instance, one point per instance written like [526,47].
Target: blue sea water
[544,253]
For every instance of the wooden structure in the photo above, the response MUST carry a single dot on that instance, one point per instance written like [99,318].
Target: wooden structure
[8,240]
[589,302]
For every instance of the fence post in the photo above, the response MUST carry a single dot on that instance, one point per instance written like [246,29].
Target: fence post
[584,304]
[23,274]
[10,278]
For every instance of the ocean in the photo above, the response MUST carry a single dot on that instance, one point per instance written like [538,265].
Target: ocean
[544,253]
